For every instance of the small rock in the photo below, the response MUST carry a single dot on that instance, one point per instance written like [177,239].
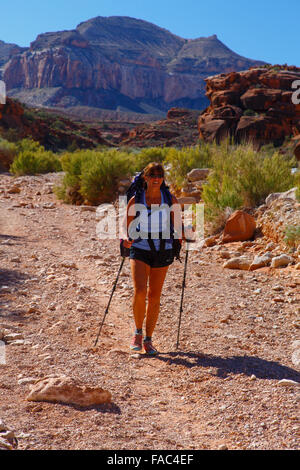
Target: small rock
[238,263]
[33,309]
[8,338]
[198,174]
[282,260]
[296,357]
[225,254]
[290,194]
[64,389]
[88,208]
[261,261]
[49,205]
[8,439]
[287,383]
[27,380]
[15,189]
[277,288]
[257,291]
[296,344]
[270,246]
[278,299]
[81,308]
[223,447]
[210,241]
[69,264]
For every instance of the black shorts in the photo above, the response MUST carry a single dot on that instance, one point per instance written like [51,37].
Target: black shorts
[154,260]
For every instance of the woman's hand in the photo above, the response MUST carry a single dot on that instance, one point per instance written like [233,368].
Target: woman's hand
[188,234]
[127,243]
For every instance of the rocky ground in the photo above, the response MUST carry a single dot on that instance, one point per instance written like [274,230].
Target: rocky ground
[233,383]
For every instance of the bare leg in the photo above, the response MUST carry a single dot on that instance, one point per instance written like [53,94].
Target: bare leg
[140,273]
[156,281]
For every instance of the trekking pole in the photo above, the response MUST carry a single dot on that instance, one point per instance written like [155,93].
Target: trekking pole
[111,295]
[182,292]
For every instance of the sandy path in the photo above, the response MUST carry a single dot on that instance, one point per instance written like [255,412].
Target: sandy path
[221,387]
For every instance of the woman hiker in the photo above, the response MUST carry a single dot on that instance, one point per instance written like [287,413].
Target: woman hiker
[150,257]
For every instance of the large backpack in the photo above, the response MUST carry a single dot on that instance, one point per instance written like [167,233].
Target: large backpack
[136,189]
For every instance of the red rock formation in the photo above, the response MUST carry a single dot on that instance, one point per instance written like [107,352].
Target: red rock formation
[27,123]
[254,105]
[180,129]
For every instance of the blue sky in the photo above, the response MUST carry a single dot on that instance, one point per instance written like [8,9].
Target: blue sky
[261,29]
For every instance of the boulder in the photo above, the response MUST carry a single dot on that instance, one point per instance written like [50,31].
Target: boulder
[186,201]
[8,440]
[214,130]
[211,241]
[260,130]
[260,99]
[281,260]
[225,97]
[198,174]
[261,261]
[239,262]
[239,227]
[290,194]
[64,389]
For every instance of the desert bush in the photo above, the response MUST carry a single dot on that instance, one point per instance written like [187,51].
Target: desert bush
[249,112]
[32,158]
[8,152]
[92,176]
[145,156]
[57,124]
[181,161]
[242,177]
[12,134]
[292,235]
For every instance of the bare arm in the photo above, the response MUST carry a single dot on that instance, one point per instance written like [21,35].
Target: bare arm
[127,221]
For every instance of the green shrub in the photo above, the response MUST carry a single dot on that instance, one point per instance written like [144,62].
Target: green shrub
[181,161]
[243,177]
[292,235]
[32,159]
[92,176]
[57,124]
[249,112]
[145,156]
[8,151]
[12,134]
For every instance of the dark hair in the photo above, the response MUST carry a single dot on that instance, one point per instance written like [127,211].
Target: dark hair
[153,166]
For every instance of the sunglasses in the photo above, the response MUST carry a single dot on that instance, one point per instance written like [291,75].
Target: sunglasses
[156,175]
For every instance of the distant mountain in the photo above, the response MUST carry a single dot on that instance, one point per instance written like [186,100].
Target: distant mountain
[118,63]
[7,51]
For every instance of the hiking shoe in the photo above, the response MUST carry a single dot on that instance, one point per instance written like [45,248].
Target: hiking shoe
[149,348]
[136,343]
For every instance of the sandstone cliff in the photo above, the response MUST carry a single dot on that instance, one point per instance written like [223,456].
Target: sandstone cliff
[118,63]
[7,51]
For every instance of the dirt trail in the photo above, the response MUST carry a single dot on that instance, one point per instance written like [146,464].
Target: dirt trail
[222,387]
